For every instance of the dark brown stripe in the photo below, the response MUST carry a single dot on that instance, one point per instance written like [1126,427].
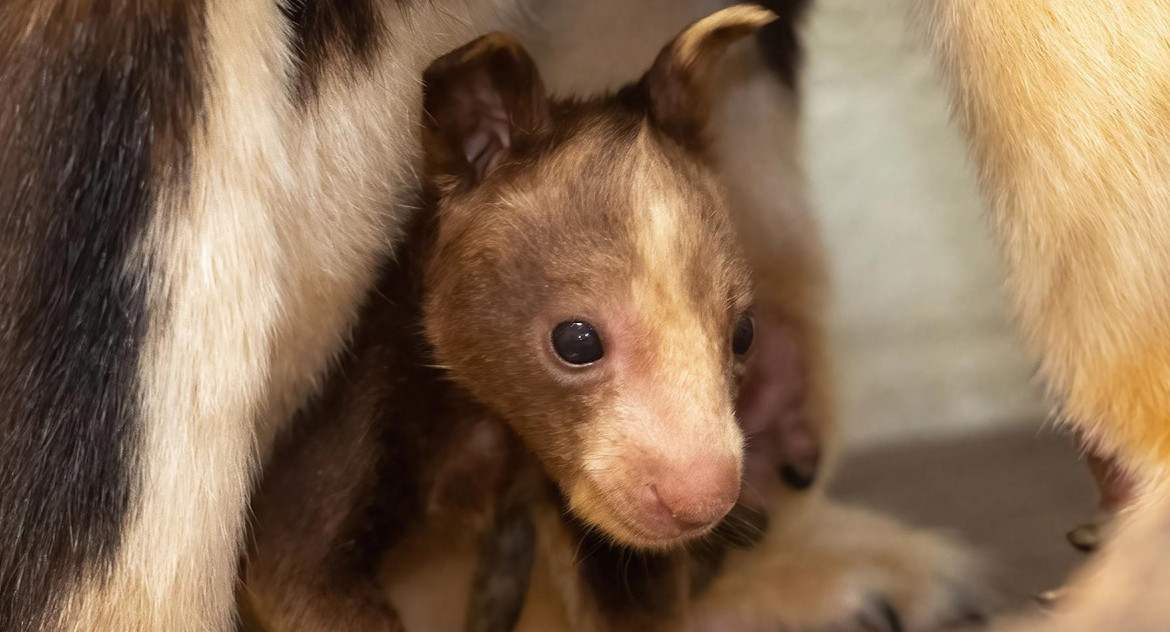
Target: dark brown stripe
[345,32]
[97,104]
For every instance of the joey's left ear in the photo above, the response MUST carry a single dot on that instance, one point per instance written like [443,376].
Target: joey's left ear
[481,103]
[677,84]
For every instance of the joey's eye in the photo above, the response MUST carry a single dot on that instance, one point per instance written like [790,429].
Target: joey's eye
[577,342]
[745,332]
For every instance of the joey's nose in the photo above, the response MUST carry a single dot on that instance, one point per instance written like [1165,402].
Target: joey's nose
[690,498]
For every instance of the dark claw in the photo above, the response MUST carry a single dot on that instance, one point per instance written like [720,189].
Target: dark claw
[883,619]
[1048,599]
[968,613]
[795,478]
[969,619]
[1084,538]
[892,619]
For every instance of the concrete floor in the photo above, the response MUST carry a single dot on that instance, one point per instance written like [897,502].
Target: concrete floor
[1012,494]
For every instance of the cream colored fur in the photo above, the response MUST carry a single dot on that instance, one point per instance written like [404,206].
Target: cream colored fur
[261,263]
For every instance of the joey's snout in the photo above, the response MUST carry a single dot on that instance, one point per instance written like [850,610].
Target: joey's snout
[658,494]
[680,497]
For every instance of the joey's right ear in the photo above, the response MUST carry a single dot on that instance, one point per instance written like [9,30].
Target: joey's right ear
[481,102]
[678,83]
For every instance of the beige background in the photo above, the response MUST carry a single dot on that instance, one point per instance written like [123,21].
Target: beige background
[921,334]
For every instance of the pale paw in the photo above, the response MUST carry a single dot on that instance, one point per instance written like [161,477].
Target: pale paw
[883,616]
[828,568]
[921,583]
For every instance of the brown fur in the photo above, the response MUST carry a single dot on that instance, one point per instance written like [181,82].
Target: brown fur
[863,567]
[652,279]
[926,580]
[390,446]
[592,212]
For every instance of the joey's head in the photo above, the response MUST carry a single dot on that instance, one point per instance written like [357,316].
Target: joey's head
[585,282]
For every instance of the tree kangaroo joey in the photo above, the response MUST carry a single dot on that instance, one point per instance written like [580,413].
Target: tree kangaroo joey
[566,331]
[536,427]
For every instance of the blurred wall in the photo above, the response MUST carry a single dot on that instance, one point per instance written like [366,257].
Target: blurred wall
[921,335]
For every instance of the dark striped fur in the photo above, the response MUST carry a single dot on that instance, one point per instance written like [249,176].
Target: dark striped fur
[97,102]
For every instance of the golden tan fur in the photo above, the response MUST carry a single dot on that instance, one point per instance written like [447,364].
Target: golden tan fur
[1066,105]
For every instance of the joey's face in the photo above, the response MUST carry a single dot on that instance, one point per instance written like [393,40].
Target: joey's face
[584,282]
[596,299]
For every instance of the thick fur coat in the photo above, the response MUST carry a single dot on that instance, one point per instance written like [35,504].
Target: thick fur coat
[195,196]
